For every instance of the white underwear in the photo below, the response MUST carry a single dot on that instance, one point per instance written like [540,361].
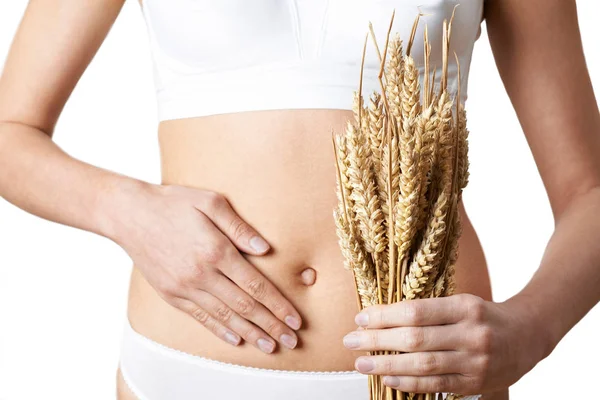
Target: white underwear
[157,372]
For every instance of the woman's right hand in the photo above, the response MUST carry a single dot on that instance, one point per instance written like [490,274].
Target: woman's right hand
[187,242]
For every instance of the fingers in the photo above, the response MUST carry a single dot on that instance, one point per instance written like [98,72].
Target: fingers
[222,255]
[242,235]
[425,372]
[406,338]
[249,279]
[206,319]
[250,309]
[429,384]
[215,315]
[419,312]
[412,364]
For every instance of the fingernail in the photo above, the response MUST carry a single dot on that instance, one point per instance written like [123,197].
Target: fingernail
[351,341]
[391,381]
[232,338]
[292,322]
[288,340]
[265,345]
[258,244]
[365,365]
[362,319]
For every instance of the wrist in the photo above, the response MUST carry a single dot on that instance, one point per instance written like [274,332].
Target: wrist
[536,326]
[119,198]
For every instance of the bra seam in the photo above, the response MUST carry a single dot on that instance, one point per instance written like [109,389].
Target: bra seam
[154,48]
[293,7]
[322,31]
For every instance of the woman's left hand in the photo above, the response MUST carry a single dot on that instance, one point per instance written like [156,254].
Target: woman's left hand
[461,343]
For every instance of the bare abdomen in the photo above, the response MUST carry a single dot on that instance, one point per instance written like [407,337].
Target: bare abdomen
[277,170]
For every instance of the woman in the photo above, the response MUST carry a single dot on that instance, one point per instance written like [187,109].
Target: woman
[238,287]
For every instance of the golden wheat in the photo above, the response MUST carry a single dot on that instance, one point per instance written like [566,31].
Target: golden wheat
[395,74]
[401,167]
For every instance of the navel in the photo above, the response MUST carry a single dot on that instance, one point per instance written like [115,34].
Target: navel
[309,276]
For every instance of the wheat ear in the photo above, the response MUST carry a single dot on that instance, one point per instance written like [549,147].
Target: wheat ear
[343,215]
[458,152]
[410,146]
[395,74]
[444,285]
[365,198]
[356,261]
[430,250]
[376,136]
[463,149]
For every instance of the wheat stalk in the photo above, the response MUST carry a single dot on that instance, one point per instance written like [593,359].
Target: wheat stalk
[401,166]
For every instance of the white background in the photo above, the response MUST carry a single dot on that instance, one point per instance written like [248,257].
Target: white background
[63,291]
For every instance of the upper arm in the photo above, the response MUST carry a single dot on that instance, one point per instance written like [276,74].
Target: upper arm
[537,48]
[53,45]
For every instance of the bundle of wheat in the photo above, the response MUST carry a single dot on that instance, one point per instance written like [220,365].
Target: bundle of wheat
[401,167]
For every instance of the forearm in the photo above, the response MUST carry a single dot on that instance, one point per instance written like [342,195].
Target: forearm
[40,178]
[567,284]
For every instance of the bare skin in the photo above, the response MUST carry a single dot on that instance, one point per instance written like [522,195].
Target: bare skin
[229,178]
[285,196]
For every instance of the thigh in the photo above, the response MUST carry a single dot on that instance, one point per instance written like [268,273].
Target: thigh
[123,392]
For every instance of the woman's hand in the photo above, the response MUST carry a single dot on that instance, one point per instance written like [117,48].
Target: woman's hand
[461,344]
[186,243]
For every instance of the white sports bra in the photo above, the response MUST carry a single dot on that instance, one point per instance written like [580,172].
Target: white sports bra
[222,56]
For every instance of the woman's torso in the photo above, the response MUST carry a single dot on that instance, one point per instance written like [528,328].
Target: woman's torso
[277,170]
